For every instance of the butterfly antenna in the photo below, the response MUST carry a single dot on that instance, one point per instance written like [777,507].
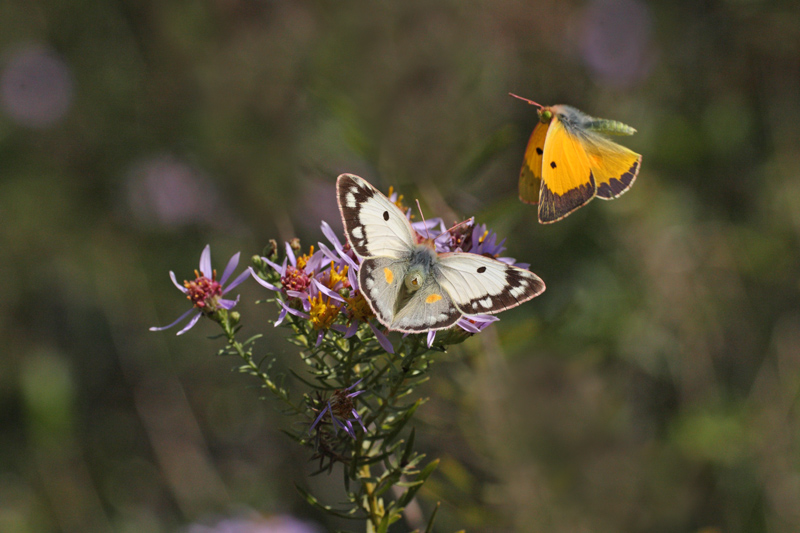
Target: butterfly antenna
[427,235]
[468,221]
[540,106]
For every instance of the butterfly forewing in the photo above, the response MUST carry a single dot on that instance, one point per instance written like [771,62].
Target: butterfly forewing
[567,180]
[530,175]
[374,226]
[479,284]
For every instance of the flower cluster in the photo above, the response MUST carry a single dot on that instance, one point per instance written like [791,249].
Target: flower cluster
[205,292]
[340,406]
[322,286]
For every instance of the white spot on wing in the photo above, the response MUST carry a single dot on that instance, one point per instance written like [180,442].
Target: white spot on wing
[350,200]
[517,291]
[358,232]
[486,302]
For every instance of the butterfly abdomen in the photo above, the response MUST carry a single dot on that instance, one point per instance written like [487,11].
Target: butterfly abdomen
[610,127]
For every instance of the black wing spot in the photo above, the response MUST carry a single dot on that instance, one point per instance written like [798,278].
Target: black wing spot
[539,151]
[481,270]
[552,164]
[386,215]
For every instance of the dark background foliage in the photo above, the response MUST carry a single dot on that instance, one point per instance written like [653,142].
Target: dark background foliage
[652,388]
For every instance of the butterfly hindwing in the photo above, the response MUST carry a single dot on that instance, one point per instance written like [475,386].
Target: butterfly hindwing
[380,280]
[374,226]
[530,176]
[428,308]
[614,167]
[479,284]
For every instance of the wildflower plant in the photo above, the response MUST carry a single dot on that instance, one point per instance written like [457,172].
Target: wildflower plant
[359,378]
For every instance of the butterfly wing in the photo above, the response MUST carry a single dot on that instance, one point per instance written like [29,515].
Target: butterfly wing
[530,176]
[380,280]
[429,308]
[567,179]
[374,226]
[614,167]
[480,284]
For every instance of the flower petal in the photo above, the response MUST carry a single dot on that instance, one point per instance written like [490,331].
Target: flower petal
[191,324]
[326,291]
[228,304]
[290,254]
[229,268]
[205,262]
[184,315]
[262,282]
[319,338]
[382,340]
[327,230]
[281,317]
[351,330]
[238,281]
[431,336]
[292,311]
[276,267]
[321,414]
[181,288]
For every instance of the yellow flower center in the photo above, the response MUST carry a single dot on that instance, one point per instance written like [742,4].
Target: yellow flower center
[302,261]
[323,312]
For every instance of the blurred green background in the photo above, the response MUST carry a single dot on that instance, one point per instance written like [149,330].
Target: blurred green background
[652,388]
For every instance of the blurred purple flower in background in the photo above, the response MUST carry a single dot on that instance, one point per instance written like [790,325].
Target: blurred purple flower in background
[257,524]
[165,189]
[36,87]
[616,41]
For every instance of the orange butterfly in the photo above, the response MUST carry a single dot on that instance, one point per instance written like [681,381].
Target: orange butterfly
[568,162]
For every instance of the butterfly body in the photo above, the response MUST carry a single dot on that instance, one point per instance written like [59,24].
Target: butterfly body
[409,286]
[569,161]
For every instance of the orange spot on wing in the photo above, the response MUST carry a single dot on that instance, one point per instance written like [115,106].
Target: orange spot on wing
[388,275]
[433,298]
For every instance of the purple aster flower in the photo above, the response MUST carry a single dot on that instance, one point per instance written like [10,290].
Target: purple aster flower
[341,406]
[256,524]
[205,291]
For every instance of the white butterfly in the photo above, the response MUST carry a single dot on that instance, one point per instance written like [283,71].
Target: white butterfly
[409,286]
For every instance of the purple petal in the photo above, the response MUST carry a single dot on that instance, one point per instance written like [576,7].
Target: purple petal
[292,311]
[321,414]
[205,262]
[184,315]
[238,281]
[328,253]
[319,338]
[431,336]
[297,294]
[231,266]
[228,304]
[358,417]
[332,237]
[352,277]
[314,262]
[276,267]
[339,327]
[262,282]
[351,330]
[382,340]
[290,254]
[191,324]
[326,291]
[181,288]
[281,317]
[353,385]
